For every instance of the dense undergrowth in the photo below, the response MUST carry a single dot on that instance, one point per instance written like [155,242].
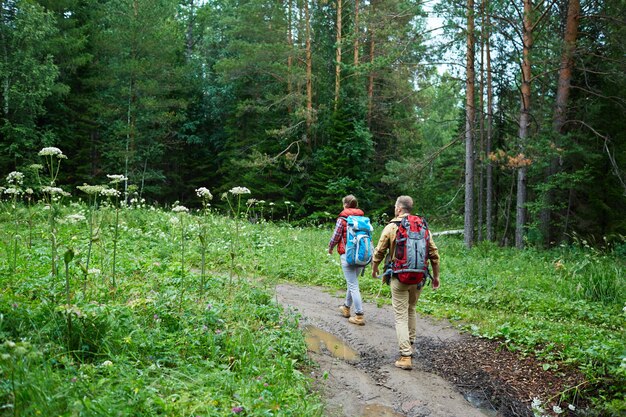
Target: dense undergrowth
[184,329]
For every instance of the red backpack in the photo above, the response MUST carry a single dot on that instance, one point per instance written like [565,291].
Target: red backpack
[410,265]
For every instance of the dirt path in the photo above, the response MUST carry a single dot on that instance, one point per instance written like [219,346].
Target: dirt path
[369,385]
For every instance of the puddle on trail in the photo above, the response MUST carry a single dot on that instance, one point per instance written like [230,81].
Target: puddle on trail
[377,410]
[317,338]
[480,402]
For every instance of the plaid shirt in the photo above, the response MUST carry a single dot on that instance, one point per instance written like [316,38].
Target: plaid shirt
[339,234]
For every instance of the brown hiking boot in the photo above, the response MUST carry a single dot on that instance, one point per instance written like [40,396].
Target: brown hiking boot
[358,319]
[404,363]
[345,311]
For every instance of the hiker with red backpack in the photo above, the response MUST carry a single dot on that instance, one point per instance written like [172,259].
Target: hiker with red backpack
[353,238]
[408,247]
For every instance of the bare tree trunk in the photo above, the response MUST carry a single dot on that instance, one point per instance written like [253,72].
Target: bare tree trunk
[560,109]
[338,41]
[524,124]
[469,125]
[481,115]
[489,186]
[356,33]
[370,81]
[309,73]
[5,78]
[290,56]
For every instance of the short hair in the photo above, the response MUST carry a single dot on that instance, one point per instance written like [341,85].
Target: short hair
[405,203]
[350,201]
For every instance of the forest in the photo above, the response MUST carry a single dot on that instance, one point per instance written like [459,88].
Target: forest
[168,167]
[506,117]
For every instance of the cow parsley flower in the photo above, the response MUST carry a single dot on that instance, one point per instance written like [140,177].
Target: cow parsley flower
[12,191]
[252,201]
[75,218]
[239,190]
[180,209]
[52,151]
[557,409]
[55,190]
[90,189]
[115,179]
[204,193]
[110,192]
[15,177]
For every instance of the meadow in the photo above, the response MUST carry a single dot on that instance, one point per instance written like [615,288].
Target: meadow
[111,309]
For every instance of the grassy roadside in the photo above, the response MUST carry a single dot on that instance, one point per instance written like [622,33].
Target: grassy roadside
[158,343]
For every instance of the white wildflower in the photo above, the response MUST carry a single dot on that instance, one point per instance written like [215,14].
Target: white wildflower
[571,407]
[75,218]
[94,271]
[288,203]
[204,192]
[252,201]
[29,191]
[180,209]
[239,190]
[271,204]
[52,151]
[261,201]
[15,177]
[536,406]
[110,192]
[557,409]
[115,179]
[13,191]
[35,167]
[55,190]
[107,363]
[90,189]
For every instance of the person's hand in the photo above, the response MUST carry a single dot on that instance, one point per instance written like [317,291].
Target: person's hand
[374,271]
[330,251]
[435,283]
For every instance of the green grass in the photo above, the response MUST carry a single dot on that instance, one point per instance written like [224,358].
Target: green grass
[171,355]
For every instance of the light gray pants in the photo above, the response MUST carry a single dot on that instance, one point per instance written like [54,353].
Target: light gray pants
[353,293]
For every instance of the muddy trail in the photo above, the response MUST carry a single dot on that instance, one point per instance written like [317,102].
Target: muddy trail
[453,375]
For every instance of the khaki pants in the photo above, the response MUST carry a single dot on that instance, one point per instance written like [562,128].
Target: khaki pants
[403,299]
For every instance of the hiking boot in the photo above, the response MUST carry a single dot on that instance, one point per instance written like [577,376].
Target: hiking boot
[404,363]
[345,311]
[358,319]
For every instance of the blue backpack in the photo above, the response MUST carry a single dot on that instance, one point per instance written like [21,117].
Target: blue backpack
[359,247]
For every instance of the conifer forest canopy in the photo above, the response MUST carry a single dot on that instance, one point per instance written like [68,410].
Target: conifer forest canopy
[506,118]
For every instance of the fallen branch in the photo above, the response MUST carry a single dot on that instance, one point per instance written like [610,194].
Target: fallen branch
[448,232]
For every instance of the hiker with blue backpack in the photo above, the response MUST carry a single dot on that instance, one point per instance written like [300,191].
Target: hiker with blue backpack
[353,238]
[407,247]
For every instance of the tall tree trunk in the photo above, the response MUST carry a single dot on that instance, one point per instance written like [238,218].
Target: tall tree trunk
[356,33]
[489,186]
[290,56]
[469,125]
[372,51]
[481,113]
[370,81]
[338,41]
[524,124]
[309,73]
[560,108]
[5,77]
